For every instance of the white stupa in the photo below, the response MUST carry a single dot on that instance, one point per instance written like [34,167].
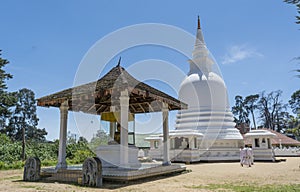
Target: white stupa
[208,108]
[205,131]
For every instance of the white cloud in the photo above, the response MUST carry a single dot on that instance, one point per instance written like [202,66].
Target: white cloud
[238,53]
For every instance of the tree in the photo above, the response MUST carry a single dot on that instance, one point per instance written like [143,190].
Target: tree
[23,123]
[250,104]
[240,112]
[295,102]
[7,99]
[271,107]
[297,4]
[101,138]
[294,126]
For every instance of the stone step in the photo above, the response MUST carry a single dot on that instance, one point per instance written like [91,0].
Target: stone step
[63,175]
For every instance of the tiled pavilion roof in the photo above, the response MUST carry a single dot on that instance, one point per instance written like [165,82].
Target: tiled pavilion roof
[98,97]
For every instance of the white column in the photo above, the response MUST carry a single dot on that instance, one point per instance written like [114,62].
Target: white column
[62,164]
[165,114]
[112,129]
[124,105]
[152,144]
[192,143]
[172,143]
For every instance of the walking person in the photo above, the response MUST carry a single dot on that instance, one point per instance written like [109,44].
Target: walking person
[242,155]
[247,158]
[251,155]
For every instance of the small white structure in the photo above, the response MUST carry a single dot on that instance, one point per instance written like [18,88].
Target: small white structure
[261,144]
[156,145]
[184,145]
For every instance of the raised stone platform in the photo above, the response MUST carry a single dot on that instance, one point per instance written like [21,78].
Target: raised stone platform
[74,174]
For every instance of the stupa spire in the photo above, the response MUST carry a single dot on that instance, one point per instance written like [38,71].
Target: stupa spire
[201,62]
[200,39]
[119,62]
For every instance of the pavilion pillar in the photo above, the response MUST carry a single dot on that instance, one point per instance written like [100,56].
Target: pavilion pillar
[124,107]
[112,129]
[165,114]
[62,164]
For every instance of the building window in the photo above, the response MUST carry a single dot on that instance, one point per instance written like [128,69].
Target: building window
[263,140]
[155,144]
[195,142]
[177,142]
[256,142]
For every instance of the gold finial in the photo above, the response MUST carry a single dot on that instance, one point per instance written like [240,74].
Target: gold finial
[199,22]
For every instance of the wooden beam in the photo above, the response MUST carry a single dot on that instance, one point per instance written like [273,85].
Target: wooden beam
[141,107]
[99,109]
[132,107]
[150,107]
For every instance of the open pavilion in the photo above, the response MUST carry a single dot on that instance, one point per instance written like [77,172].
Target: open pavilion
[117,92]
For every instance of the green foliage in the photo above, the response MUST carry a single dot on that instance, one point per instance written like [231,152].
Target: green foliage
[295,102]
[241,115]
[23,123]
[44,151]
[294,126]
[250,104]
[10,153]
[101,138]
[13,165]
[24,117]
[272,110]
[78,151]
[297,4]
[47,163]
[7,99]
[4,139]
[3,75]
[80,156]
[298,70]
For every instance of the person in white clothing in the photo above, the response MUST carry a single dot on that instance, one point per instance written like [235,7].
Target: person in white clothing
[251,155]
[242,155]
[245,156]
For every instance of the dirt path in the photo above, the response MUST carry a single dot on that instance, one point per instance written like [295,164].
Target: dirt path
[202,174]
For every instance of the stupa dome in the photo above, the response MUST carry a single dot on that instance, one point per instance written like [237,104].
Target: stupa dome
[202,91]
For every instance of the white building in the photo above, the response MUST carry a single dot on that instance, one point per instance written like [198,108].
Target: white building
[208,112]
[261,144]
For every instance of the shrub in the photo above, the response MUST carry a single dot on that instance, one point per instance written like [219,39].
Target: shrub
[80,156]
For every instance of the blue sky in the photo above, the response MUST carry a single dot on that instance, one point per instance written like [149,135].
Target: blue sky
[253,42]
